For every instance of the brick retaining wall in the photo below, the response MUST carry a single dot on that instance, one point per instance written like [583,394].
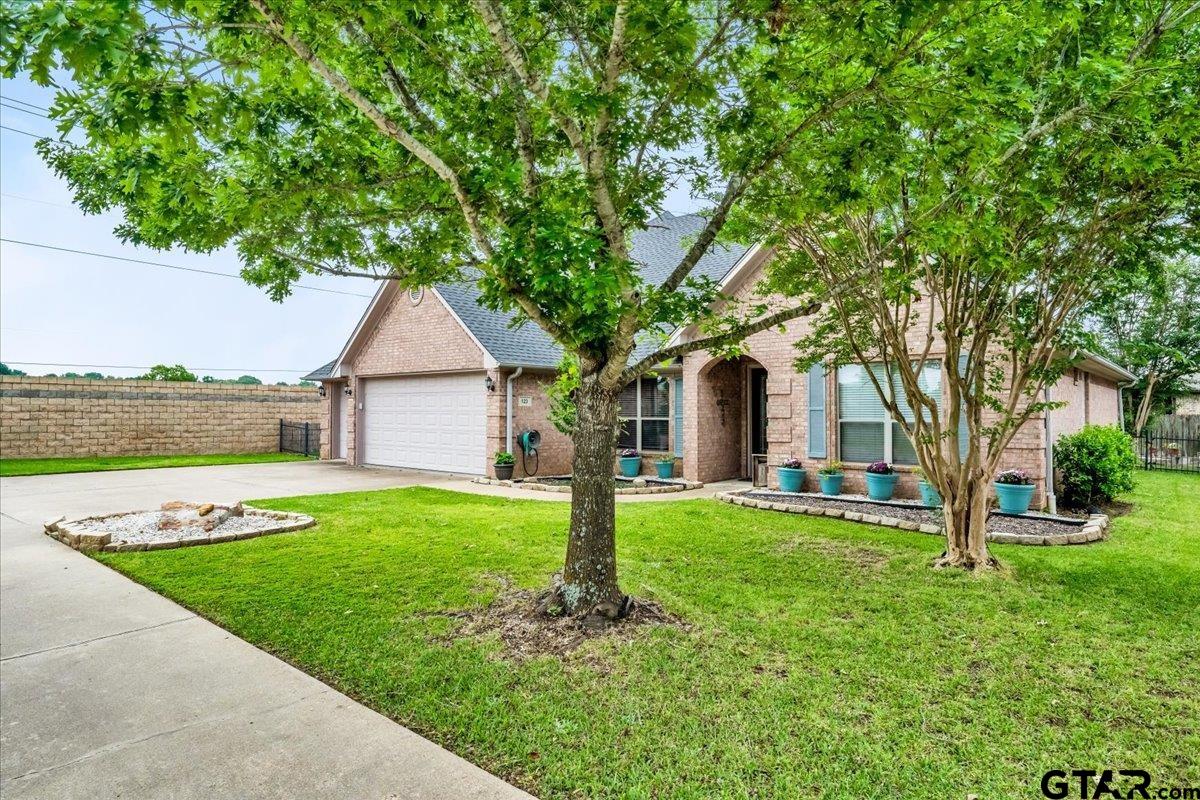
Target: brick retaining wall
[47,417]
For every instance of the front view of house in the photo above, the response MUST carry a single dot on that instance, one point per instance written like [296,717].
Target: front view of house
[431,380]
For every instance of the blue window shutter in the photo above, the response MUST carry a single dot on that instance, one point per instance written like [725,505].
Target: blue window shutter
[962,417]
[679,417]
[816,411]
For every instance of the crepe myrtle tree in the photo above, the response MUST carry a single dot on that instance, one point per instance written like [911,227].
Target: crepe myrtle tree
[961,237]
[517,145]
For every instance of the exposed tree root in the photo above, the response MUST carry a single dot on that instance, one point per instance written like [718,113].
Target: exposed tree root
[966,561]
[531,623]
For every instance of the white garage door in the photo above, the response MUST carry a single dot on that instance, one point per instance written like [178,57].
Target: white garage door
[427,422]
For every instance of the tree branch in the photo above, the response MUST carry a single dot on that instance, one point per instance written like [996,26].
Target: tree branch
[731,336]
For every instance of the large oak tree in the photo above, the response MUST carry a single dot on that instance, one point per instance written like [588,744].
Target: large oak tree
[519,143]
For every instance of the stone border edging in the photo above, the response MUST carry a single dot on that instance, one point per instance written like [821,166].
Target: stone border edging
[75,533]
[677,485]
[1093,530]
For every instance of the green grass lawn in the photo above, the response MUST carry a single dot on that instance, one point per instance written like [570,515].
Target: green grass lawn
[825,658]
[10,467]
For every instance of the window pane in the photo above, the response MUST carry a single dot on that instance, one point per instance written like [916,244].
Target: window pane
[655,398]
[628,434]
[902,449]
[654,435]
[628,402]
[862,441]
[857,398]
[930,381]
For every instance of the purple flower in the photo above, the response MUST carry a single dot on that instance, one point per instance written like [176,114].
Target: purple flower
[629,453]
[1014,477]
[792,463]
[880,468]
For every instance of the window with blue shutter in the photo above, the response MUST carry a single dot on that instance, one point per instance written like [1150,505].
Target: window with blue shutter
[679,417]
[867,431]
[816,411]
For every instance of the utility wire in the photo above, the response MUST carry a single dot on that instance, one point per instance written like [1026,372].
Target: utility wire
[167,266]
[34,200]
[24,103]
[27,133]
[128,366]
[26,110]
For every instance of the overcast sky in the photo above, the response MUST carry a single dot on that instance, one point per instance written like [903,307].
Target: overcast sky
[66,309]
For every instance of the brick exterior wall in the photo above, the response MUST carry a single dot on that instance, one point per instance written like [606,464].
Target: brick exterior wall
[48,417]
[409,338]
[426,338]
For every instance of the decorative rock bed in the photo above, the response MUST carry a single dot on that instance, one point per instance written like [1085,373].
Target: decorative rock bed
[562,484]
[175,524]
[1031,529]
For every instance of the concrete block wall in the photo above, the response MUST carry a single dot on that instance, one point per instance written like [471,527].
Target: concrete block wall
[58,417]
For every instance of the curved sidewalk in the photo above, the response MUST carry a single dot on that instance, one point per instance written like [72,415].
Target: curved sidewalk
[110,690]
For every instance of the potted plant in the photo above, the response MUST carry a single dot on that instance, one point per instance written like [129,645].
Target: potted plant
[503,464]
[881,480]
[831,477]
[1014,490]
[791,475]
[630,461]
[665,466]
[930,496]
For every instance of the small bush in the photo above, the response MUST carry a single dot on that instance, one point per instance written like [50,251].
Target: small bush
[1097,464]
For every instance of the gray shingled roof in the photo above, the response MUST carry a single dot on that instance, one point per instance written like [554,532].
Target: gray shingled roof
[658,249]
[320,373]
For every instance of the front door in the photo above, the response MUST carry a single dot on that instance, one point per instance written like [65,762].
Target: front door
[757,435]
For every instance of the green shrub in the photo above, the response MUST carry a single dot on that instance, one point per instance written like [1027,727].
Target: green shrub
[1096,463]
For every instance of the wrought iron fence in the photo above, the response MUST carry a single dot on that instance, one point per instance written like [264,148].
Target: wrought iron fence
[1172,443]
[300,437]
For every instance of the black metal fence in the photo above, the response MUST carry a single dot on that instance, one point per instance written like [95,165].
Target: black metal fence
[300,437]
[1172,443]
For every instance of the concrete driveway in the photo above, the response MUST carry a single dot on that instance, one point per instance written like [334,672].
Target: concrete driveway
[109,690]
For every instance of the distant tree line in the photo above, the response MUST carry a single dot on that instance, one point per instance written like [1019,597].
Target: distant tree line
[159,372]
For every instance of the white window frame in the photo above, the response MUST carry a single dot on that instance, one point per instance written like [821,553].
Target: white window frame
[886,420]
[638,419]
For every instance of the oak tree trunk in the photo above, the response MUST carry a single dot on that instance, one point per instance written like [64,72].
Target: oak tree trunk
[589,580]
[965,518]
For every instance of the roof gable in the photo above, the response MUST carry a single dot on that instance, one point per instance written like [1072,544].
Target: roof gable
[657,250]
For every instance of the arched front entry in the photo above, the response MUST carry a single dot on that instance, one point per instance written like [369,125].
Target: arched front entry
[730,412]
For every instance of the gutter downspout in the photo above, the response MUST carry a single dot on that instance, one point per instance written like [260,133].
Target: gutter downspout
[508,408]
[1051,498]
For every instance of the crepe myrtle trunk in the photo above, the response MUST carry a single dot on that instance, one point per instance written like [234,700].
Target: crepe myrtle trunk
[964,514]
[589,581]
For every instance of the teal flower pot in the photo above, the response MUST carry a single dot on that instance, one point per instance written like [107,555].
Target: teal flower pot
[832,484]
[929,495]
[880,487]
[790,480]
[1014,498]
[630,467]
[666,469]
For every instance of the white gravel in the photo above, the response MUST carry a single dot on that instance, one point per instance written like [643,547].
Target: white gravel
[142,526]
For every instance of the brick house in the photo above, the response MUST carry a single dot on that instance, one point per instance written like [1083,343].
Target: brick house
[429,379]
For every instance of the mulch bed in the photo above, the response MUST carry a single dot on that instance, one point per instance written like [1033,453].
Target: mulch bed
[565,480]
[997,523]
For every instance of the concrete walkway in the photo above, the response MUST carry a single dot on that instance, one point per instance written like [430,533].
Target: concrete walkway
[108,690]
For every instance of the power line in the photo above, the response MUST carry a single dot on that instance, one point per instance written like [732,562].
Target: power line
[24,103]
[128,366]
[26,110]
[34,200]
[27,133]
[168,266]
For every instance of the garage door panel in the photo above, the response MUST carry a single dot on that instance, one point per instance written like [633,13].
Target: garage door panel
[426,422]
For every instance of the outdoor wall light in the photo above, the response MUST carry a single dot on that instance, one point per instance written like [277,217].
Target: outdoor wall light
[321,390]
[348,392]
[489,383]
